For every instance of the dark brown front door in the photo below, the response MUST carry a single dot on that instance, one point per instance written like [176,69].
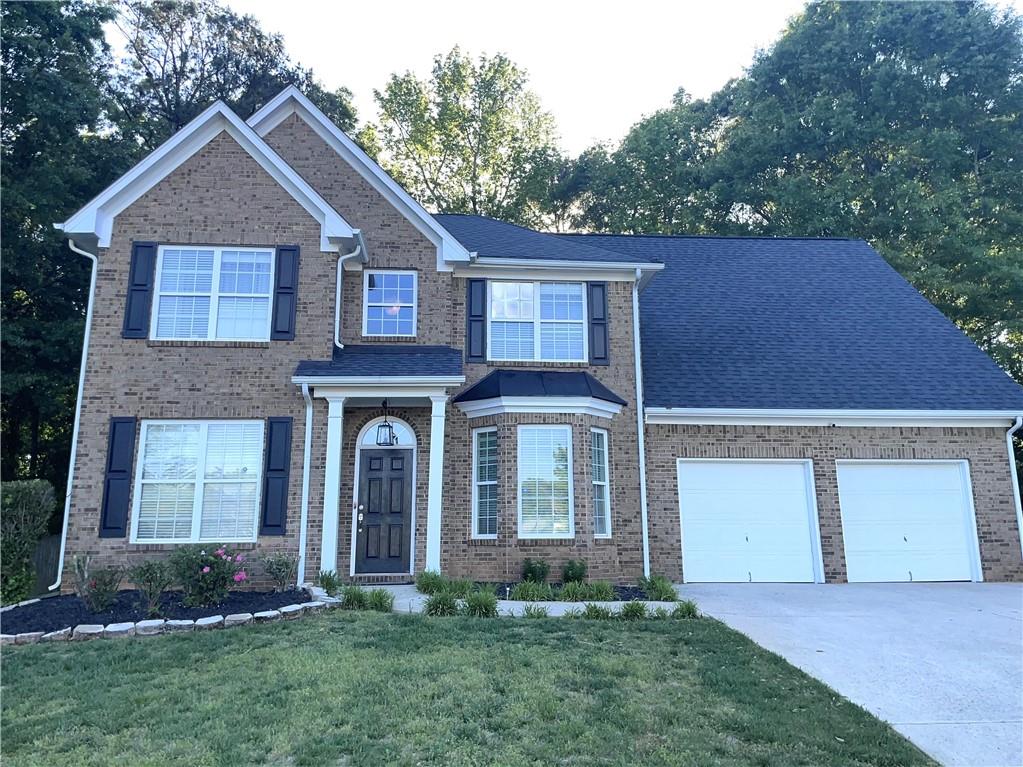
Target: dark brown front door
[384,516]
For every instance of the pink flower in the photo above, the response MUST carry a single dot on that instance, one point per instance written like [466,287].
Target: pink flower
[219,552]
[240,576]
[206,569]
[239,558]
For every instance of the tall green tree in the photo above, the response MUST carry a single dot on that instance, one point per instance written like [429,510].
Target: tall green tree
[471,139]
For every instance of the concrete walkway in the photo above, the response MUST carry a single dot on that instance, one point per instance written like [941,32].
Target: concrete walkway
[408,600]
[941,662]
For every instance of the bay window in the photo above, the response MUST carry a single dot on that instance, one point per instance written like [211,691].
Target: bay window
[601,488]
[545,498]
[484,483]
[537,321]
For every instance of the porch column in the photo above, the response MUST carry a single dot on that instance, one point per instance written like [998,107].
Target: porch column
[332,483]
[433,504]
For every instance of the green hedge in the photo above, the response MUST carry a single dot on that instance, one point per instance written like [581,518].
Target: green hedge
[26,509]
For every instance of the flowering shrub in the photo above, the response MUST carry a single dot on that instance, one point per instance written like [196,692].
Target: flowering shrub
[97,587]
[206,574]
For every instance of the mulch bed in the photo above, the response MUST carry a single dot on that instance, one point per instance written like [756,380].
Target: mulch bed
[623,593]
[55,613]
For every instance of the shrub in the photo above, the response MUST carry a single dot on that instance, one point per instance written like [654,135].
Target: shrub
[430,582]
[574,571]
[535,570]
[354,597]
[329,582]
[658,588]
[573,592]
[598,612]
[152,579]
[531,591]
[461,588]
[685,609]
[206,576]
[536,611]
[380,600]
[633,611]
[282,569]
[481,603]
[27,506]
[598,591]
[441,603]
[97,587]
[601,591]
[660,613]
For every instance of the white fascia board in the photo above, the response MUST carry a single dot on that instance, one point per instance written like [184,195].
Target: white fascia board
[95,219]
[536,268]
[783,417]
[369,381]
[292,101]
[562,405]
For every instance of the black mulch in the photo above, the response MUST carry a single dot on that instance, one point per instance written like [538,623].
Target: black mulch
[55,613]
[624,593]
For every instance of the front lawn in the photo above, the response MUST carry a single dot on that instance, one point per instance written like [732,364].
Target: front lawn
[369,689]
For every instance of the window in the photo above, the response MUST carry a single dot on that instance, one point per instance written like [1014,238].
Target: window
[198,481]
[545,482]
[537,321]
[389,304]
[210,294]
[484,483]
[601,487]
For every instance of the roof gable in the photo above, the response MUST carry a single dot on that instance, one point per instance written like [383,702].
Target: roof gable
[92,224]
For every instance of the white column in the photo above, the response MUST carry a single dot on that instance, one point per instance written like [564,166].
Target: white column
[433,503]
[332,483]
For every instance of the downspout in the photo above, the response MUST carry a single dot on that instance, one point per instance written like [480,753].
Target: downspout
[306,453]
[360,253]
[1014,473]
[78,411]
[640,425]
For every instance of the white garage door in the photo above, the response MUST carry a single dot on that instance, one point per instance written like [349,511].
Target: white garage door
[907,521]
[747,521]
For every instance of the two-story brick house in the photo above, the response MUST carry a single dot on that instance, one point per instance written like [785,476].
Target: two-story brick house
[284,351]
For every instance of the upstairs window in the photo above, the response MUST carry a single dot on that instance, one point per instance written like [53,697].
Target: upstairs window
[213,294]
[537,321]
[389,303]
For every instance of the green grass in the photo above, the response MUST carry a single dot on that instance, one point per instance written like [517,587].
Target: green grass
[369,689]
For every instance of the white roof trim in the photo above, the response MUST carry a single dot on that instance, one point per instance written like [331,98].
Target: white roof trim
[94,222]
[571,405]
[794,417]
[369,381]
[292,101]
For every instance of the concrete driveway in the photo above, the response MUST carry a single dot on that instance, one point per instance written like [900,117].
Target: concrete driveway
[941,662]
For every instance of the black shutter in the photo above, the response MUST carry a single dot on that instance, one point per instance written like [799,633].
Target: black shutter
[276,475]
[113,520]
[476,321]
[141,278]
[597,304]
[285,294]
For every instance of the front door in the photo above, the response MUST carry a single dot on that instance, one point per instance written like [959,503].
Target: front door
[384,515]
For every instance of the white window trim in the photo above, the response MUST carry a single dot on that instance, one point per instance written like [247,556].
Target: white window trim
[606,484]
[571,483]
[200,481]
[214,293]
[536,321]
[365,302]
[476,484]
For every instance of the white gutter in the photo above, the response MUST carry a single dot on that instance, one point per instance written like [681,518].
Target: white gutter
[360,253]
[1014,473]
[806,417]
[640,425]
[78,411]
[306,455]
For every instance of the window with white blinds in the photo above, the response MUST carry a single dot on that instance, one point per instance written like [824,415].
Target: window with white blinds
[601,487]
[545,482]
[484,483]
[198,481]
[543,321]
[213,294]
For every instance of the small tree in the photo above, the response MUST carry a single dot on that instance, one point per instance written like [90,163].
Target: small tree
[27,506]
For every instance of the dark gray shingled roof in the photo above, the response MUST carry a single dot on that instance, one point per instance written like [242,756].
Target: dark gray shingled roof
[538,383]
[798,323]
[389,360]
[491,238]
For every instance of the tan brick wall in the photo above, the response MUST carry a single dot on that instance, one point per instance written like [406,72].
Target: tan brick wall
[984,449]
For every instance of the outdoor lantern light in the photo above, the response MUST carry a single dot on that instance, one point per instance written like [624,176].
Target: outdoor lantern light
[385,431]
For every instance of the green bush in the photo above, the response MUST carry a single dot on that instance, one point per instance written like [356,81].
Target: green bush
[380,600]
[329,582]
[152,579]
[354,597]
[207,576]
[281,568]
[96,586]
[660,613]
[481,603]
[430,582]
[531,591]
[442,603]
[633,611]
[598,612]
[685,609]
[461,588]
[598,591]
[535,611]
[658,589]
[26,509]
[535,570]
[574,571]
[573,592]
[601,591]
